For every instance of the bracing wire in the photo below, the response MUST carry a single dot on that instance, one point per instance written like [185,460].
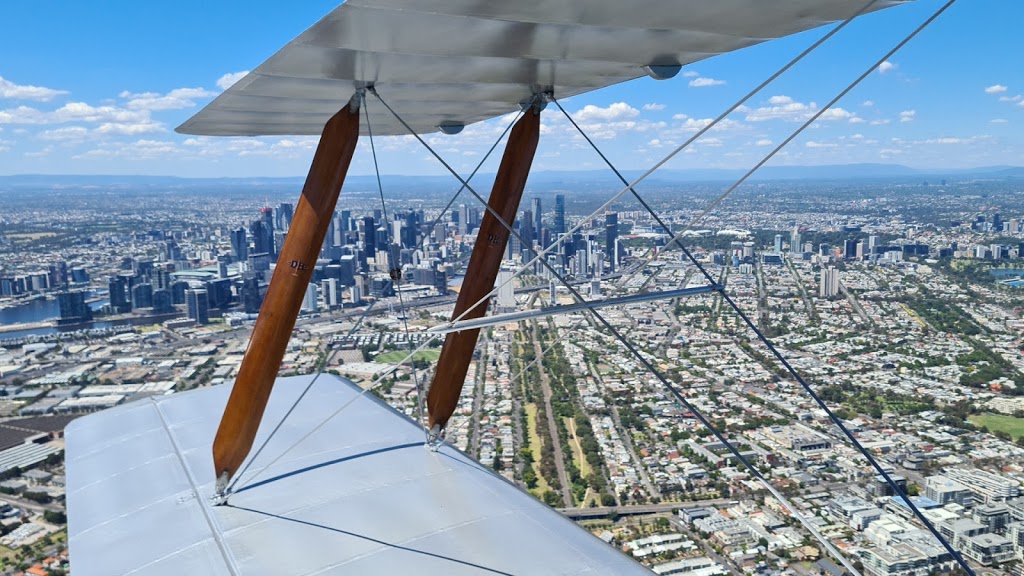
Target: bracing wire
[291,409]
[629,346]
[554,245]
[760,335]
[395,265]
[636,353]
[377,381]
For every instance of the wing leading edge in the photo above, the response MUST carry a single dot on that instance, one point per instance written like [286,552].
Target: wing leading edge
[464,61]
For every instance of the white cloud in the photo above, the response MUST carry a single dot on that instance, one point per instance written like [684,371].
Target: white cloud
[944,141]
[680,117]
[763,142]
[67,134]
[995,89]
[129,129]
[11,91]
[908,116]
[615,112]
[857,120]
[885,67]
[653,107]
[999,121]
[813,144]
[691,74]
[868,103]
[785,108]
[176,99]
[227,80]
[72,112]
[1016,98]
[836,114]
[880,122]
[696,125]
[704,82]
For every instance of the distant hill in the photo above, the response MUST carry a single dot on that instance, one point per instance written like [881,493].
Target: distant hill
[823,172]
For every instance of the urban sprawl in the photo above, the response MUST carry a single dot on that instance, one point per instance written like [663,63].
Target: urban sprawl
[900,303]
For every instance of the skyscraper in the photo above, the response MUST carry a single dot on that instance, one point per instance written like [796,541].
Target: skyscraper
[119,297]
[262,237]
[284,216]
[538,220]
[198,305]
[463,219]
[142,296]
[850,249]
[267,213]
[559,214]
[778,243]
[525,225]
[73,308]
[611,235]
[369,236]
[829,286]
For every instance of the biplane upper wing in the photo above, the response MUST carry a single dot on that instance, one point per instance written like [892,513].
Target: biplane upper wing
[463,61]
[361,496]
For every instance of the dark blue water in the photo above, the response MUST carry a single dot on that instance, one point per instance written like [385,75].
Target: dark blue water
[39,310]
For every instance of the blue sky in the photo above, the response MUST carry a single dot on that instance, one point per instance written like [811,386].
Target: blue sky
[97,88]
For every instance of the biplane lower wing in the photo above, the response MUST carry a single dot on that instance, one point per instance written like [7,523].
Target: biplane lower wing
[360,496]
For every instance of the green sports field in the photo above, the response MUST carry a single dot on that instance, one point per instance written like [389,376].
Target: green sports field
[430,355]
[1000,423]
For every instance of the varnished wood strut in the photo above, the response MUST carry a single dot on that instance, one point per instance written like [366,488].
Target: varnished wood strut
[287,289]
[483,268]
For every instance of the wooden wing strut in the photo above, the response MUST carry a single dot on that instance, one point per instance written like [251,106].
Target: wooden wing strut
[483,268]
[287,288]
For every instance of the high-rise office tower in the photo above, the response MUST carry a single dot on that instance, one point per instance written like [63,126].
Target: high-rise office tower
[463,219]
[559,214]
[538,220]
[778,243]
[73,307]
[142,296]
[262,238]
[267,215]
[120,299]
[239,244]
[611,235]
[850,249]
[369,236]
[284,216]
[198,305]
[525,226]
